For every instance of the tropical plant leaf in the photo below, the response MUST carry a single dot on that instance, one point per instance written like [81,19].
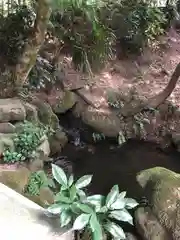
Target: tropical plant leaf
[115,230]
[112,196]
[57,208]
[131,203]
[61,198]
[120,203]
[96,228]
[73,192]
[96,201]
[71,180]
[81,194]
[65,218]
[122,215]
[59,175]
[81,221]
[84,181]
[122,194]
[104,209]
[84,208]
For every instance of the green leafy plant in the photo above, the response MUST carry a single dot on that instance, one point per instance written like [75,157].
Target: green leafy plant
[83,34]
[121,138]
[98,137]
[138,126]
[135,23]
[37,181]
[27,138]
[97,213]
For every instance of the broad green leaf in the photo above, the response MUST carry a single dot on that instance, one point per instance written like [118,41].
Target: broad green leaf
[98,234]
[59,175]
[83,181]
[96,201]
[81,221]
[104,209]
[120,203]
[73,192]
[81,194]
[112,196]
[96,228]
[131,203]
[61,198]
[84,208]
[122,215]
[115,230]
[122,194]
[57,208]
[71,180]
[65,218]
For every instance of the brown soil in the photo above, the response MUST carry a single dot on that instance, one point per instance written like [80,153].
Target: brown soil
[148,74]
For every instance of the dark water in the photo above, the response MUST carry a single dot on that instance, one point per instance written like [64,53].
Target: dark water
[109,163]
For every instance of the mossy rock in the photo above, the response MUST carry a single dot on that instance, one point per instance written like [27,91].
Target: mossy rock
[14,176]
[162,189]
[65,102]
[45,197]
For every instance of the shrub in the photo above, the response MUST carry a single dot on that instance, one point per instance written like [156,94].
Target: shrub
[37,181]
[87,39]
[27,138]
[97,214]
[14,31]
[135,23]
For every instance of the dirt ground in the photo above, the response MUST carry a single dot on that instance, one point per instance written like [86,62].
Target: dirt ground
[148,73]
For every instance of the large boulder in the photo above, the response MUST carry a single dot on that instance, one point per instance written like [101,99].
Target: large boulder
[62,102]
[11,109]
[162,189]
[103,120]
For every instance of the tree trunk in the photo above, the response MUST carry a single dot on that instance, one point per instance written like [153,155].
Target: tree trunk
[15,77]
[28,58]
[129,110]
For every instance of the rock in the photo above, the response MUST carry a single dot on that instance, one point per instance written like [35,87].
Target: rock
[44,198]
[58,141]
[7,128]
[11,109]
[36,164]
[31,112]
[130,236]
[22,219]
[44,146]
[6,141]
[162,189]
[102,120]
[45,113]
[65,101]
[148,226]
[14,176]
[176,138]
